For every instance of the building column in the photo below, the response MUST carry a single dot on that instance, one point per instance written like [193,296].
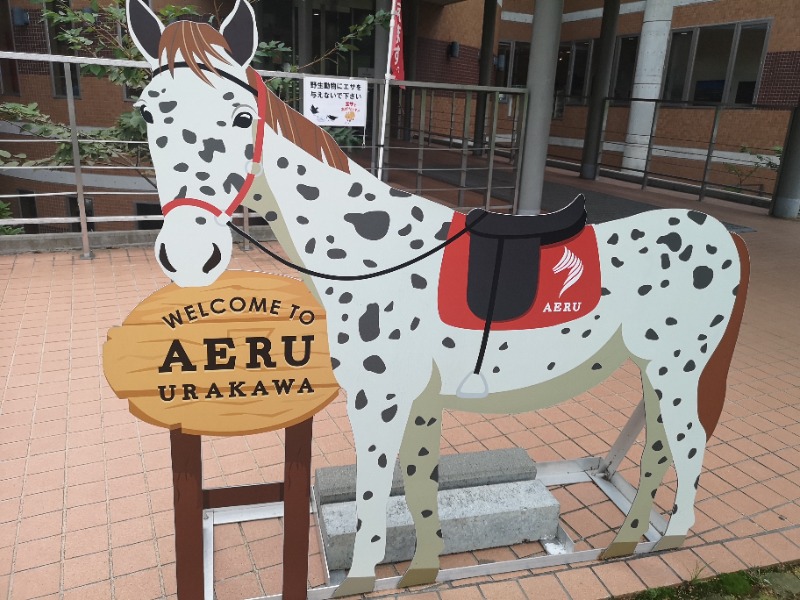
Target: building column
[786,199]
[381,36]
[601,82]
[541,85]
[649,74]
[485,64]
[304,32]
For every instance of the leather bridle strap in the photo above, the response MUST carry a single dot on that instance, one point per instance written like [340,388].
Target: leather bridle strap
[256,168]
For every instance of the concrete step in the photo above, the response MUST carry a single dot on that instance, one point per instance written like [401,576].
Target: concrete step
[486,500]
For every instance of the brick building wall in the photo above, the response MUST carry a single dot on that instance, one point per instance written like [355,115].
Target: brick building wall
[438,66]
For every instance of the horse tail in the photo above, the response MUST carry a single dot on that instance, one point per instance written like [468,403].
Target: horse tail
[714,379]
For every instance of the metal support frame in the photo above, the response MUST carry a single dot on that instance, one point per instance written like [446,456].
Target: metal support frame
[650,141]
[492,138]
[462,183]
[560,550]
[710,154]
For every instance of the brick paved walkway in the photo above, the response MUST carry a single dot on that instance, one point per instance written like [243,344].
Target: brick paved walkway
[85,489]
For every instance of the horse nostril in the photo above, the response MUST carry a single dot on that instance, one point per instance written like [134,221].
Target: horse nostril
[162,258]
[216,258]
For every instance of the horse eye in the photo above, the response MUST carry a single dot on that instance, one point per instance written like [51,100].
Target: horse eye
[243,120]
[146,114]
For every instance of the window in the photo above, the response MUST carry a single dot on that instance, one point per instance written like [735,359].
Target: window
[58,70]
[512,64]
[147,209]
[624,67]
[573,69]
[9,80]
[74,211]
[719,64]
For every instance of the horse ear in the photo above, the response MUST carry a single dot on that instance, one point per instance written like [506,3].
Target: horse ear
[145,29]
[239,30]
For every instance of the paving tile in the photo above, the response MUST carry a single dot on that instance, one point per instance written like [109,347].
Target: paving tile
[83,570]
[144,585]
[654,571]
[541,586]
[582,584]
[619,578]
[37,582]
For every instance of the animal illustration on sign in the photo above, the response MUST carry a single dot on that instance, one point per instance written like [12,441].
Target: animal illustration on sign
[544,307]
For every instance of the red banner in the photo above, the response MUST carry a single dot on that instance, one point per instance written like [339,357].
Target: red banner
[396,47]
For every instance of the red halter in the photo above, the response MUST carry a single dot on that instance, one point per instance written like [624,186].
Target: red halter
[256,161]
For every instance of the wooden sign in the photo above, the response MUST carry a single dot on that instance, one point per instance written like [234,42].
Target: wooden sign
[244,355]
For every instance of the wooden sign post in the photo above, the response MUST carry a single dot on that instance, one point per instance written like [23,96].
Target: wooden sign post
[245,355]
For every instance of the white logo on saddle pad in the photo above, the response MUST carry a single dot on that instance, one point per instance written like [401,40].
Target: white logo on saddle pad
[575,266]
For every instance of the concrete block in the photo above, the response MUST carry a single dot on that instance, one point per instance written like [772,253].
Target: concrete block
[472,518]
[338,484]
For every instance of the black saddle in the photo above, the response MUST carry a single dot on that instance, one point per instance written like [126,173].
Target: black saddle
[504,250]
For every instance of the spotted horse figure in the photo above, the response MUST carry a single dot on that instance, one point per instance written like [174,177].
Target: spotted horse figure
[415,291]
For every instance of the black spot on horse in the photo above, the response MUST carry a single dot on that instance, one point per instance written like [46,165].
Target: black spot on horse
[302,220]
[616,262]
[227,96]
[665,261]
[703,348]
[419,421]
[167,107]
[162,141]
[426,513]
[702,277]
[441,235]
[153,94]
[181,167]
[414,323]
[586,333]
[423,451]
[686,254]
[448,343]
[301,170]
[355,190]
[210,146]
[658,446]
[223,124]
[389,307]
[169,120]
[605,292]
[257,197]
[697,217]
[711,249]
[727,264]
[613,239]
[435,474]
[551,366]
[637,234]
[663,371]
[645,289]
[692,452]
[395,335]
[329,238]
[208,190]
[717,320]
[495,369]
[342,338]
[372,225]
[398,193]
[336,253]
[346,298]
[596,367]
[677,401]
[202,175]
[736,289]
[418,282]
[232,181]
[665,283]
[503,346]
[283,162]
[417,213]
[375,538]
[644,250]
[361,400]
[182,192]
[650,334]
[672,240]
[335,362]
[310,245]
[635,523]
[190,137]
[431,421]
[369,263]
[382,461]
[411,469]
[271,216]
[671,321]
[369,197]
[309,192]
[328,291]
[689,366]
[676,354]
[388,414]
[369,327]
[405,230]
[367,495]
[374,364]
[674,221]
[416,244]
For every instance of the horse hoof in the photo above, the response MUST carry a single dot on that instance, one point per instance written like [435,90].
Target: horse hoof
[418,577]
[669,542]
[617,549]
[352,586]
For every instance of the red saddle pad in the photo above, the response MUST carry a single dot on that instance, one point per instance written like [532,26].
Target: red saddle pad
[569,283]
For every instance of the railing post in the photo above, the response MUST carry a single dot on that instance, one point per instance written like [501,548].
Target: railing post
[649,154]
[520,144]
[76,163]
[710,154]
[492,139]
[464,147]
[246,228]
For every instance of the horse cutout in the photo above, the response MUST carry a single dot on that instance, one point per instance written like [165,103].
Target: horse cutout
[416,294]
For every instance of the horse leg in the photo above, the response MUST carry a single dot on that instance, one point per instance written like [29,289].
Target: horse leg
[378,426]
[419,459]
[655,461]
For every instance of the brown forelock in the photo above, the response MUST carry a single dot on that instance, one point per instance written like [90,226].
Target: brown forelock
[195,42]
[303,133]
[714,379]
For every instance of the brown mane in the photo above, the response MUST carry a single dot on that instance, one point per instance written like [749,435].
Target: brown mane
[196,41]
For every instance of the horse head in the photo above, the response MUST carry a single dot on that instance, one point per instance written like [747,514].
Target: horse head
[202,113]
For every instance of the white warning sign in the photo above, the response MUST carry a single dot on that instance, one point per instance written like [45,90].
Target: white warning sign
[335,102]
